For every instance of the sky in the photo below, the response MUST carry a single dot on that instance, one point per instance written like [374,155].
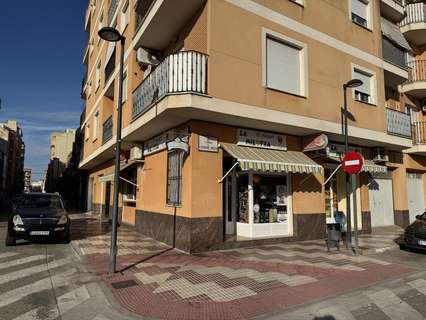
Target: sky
[41,53]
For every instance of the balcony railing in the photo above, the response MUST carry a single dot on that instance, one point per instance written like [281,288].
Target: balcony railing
[398,123]
[112,9]
[142,8]
[110,67]
[393,54]
[418,130]
[183,72]
[415,12]
[107,130]
[417,70]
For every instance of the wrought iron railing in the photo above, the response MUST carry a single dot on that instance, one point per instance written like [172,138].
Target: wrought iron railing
[183,72]
[398,123]
[141,9]
[393,54]
[112,9]
[417,70]
[415,12]
[110,67]
[107,130]
[418,130]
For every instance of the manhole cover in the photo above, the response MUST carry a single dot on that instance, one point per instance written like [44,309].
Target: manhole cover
[124,284]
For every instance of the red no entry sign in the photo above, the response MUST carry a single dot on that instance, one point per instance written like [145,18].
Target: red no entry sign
[353,162]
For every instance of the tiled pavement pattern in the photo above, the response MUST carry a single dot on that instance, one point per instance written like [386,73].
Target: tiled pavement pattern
[159,282]
[400,299]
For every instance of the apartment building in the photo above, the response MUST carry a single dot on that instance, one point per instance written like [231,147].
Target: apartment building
[61,145]
[232,116]
[27,179]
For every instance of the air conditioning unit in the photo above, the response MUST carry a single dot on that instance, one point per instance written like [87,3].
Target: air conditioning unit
[136,153]
[145,58]
[380,155]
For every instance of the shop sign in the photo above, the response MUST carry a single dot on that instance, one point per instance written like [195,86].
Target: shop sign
[208,144]
[353,162]
[159,142]
[260,139]
[338,150]
[314,143]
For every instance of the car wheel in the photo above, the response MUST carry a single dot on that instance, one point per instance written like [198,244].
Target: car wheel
[10,241]
[67,238]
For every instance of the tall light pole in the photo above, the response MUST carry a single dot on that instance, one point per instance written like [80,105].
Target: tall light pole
[112,35]
[350,84]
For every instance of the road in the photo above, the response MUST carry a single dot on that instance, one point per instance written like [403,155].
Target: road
[49,281]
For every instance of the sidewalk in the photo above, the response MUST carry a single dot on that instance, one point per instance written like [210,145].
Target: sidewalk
[158,282]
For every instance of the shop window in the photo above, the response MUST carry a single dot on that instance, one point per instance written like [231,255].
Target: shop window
[243,212]
[129,186]
[271,200]
[174,177]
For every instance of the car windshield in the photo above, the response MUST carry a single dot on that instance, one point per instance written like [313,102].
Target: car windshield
[44,202]
[423,216]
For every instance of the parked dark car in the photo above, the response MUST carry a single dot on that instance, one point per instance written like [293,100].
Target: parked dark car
[39,216]
[415,233]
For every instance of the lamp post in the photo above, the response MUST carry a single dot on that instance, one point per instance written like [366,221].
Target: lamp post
[112,35]
[350,84]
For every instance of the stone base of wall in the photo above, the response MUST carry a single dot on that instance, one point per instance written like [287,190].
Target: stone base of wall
[188,234]
[205,234]
[310,226]
[366,222]
[402,218]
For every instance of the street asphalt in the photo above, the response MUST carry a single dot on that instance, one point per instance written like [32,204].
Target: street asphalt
[48,281]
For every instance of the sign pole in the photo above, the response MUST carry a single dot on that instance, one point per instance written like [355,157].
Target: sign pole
[354,187]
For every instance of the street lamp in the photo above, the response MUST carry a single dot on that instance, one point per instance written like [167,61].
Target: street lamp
[112,35]
[350,84]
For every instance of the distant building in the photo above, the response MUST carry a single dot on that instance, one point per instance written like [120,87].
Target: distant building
[12,154]
[53,175]
[61,145]
[27,179]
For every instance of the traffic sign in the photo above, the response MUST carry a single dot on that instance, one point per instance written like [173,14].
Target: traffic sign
[353,162]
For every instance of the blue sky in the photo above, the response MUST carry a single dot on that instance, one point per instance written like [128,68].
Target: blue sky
[41,69]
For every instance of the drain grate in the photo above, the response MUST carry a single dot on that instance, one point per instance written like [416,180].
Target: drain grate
[124,284]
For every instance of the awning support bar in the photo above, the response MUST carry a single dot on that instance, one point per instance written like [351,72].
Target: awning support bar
[331,176]
[229,171]
[128,181]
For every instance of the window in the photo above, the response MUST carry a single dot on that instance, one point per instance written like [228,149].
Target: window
[285,62]
[98,75]
[125,16]
[100,24]
[360,12]
[367,91]
[174,177]
[124,97]
[129,186]
[95,125]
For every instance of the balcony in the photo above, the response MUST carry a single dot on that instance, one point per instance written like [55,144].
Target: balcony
[111,11]
[414,24]
[398,123]
[110,67]
[416,84]
[107,130]
[392,10]
[160,20]
[183,72]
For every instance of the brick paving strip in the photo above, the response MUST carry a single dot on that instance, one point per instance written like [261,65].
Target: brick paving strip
[158,282]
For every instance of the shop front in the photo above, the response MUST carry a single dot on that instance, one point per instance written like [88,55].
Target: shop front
[258,198]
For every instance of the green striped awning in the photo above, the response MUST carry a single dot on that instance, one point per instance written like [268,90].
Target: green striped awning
[268,160]
[370,166]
